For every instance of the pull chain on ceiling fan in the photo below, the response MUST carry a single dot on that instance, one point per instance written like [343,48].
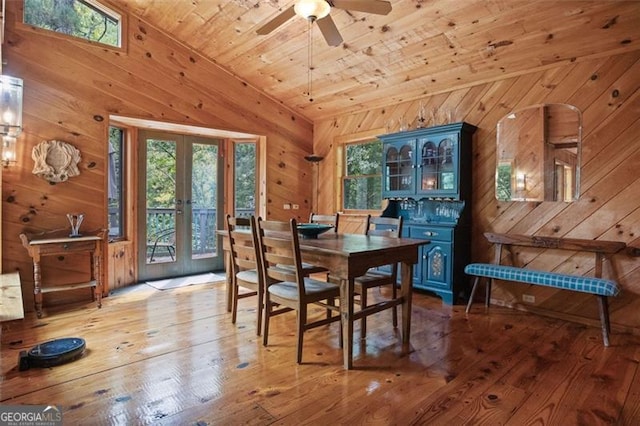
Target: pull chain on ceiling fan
[317,11]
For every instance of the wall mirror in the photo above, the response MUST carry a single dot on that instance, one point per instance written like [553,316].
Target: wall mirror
[538,154]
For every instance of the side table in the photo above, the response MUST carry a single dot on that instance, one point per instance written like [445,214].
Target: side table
[57,243]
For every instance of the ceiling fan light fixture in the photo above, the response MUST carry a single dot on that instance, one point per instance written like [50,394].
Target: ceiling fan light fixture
[312,9]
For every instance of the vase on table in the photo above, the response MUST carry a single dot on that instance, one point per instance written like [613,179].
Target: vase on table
[75,219]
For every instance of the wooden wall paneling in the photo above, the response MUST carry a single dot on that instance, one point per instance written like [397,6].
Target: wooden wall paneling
[597,81]
[608,143]
[402,56]
[606,210]
[121,265]
[592,200]
[614,210]
[72,87]
[504,104]
[622,91]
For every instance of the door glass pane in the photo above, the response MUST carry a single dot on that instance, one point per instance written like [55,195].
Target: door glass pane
[204,200]
[245,179]
[115,190]
[161,196]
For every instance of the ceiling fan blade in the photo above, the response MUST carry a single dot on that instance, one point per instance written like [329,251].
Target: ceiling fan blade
[277,21]
[379,7]
[329,31]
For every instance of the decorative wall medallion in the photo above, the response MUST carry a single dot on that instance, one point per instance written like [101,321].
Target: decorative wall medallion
[55,161]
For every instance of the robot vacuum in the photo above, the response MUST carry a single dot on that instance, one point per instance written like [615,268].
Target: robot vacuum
[52,353]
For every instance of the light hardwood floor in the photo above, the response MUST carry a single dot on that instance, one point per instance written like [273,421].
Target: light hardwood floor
[173,357]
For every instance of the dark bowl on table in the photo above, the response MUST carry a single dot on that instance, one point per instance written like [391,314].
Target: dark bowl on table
[312,230]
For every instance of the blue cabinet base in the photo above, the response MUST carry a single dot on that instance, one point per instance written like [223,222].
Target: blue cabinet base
[445,295]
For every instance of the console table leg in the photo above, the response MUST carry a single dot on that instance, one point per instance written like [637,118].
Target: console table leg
[98,277]
[37,291]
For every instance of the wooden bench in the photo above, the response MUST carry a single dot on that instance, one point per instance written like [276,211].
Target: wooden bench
[602,288]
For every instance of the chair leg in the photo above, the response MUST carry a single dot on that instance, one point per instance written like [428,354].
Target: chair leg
[394,294]
[267,315]
[340,325]
[473,293]
[234,303]
[260,308]
[363,304]
[302,320]
[604,319]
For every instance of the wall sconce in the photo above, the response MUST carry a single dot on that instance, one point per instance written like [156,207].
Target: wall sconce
[8,150]
[10,105]
[521,181]
[10,116]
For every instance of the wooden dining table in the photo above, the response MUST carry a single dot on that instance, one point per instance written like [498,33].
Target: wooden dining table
[348,256]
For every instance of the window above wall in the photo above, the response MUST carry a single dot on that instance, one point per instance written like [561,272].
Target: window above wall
[84,19]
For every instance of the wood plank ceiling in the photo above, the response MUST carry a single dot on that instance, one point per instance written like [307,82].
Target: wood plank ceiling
[422,47]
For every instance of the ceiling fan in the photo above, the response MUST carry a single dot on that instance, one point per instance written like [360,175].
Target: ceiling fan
[318,11]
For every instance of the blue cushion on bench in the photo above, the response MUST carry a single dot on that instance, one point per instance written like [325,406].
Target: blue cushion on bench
[599,286]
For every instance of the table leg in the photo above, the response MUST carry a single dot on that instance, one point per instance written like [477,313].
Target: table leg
[37,291]
[346,310]
[406,273]
[97,276]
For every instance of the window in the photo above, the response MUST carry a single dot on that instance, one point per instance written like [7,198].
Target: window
[245,159]
[86,19]
[116,188]
[362,176]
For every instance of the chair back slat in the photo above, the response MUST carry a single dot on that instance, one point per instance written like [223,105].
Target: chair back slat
[384,226]
[326,219]
[279,245]
[243,244]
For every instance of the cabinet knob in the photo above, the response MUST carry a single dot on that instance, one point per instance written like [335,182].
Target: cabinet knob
[430,233]
[65,246]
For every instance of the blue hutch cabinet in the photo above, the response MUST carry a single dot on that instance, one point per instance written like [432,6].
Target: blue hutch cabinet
[427,174]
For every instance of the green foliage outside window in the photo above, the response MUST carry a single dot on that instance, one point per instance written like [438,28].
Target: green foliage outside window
[161,174]
[362,181]
[115,190]
[204,176]
[78,18]
[245,178]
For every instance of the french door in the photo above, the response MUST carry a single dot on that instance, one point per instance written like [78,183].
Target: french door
[180,205]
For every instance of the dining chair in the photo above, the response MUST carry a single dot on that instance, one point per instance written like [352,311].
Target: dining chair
[289,289]
[333,219]
[246,265]
[387,275]
[327,219]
